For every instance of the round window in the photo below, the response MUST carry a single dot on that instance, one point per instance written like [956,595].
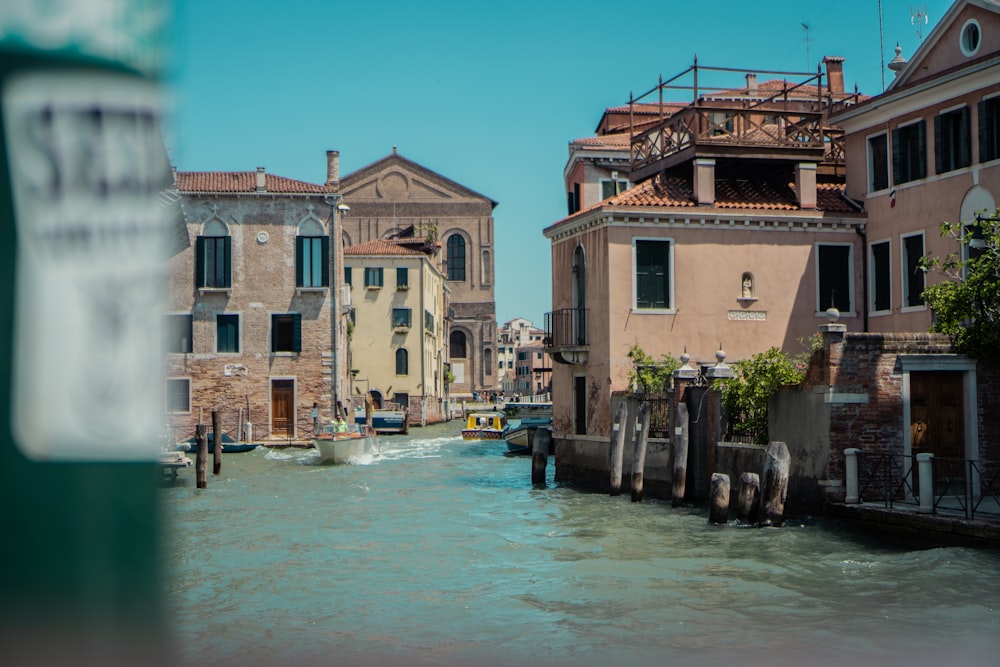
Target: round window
[970,38]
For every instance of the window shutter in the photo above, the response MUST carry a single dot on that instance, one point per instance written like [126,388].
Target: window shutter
[896,160]
[296,332]
[325,258]
[921,150]
[965,149]
[227,278]
[274,333]
[939,165]
[300,272]
[199,261]
[984,142]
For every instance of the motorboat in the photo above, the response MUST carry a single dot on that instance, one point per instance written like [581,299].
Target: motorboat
[487,425]
[383,420]
[520,434]
[336,446]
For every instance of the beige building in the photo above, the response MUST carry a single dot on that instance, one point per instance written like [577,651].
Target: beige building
[395,197]
[514,333]
[727,225]
[254,327]
[926,151]
[399,346]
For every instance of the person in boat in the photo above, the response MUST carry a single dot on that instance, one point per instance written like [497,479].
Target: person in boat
[341,425]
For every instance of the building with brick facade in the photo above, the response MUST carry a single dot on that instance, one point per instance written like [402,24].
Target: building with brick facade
[399,342]
[255,328]
[395,197]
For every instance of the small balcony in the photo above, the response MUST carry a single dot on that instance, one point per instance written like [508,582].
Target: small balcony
[566,335]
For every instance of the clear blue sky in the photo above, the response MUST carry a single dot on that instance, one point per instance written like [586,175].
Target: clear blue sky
[488,94]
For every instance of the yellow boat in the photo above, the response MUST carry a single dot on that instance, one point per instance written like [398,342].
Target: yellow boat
[484,426]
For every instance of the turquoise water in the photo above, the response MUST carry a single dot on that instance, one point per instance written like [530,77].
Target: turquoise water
[439,551]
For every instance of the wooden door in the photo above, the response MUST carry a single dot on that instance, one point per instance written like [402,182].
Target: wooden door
[283,407]
[936,415]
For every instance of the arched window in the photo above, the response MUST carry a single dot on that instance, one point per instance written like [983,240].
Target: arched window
[456,258]
[402,362]
[579,296]
[457,344]
[213,256]
[486,272]
[312,255]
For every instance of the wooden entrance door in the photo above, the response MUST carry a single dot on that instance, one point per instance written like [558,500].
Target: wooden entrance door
[936,415]
[283,407]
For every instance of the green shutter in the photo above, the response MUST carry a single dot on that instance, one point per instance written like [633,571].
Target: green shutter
[965,148]
[296,332]
[300,270]
[325,259]
[199,261]
[347,275]
[227,278]
[939,164]
[897,161]
[274,333]
[921,150]
[984,133]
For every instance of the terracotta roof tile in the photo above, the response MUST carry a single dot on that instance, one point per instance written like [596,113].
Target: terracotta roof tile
[238,182]
[381,247]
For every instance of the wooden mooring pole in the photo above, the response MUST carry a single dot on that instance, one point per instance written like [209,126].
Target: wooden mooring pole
[774,486]
[719,511]
[748,498]
[639,456]
[678,480]
[540,455]
[618,447]
[201,458]
[216,442]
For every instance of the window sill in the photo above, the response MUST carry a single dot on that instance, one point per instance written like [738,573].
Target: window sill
[402,288]
[284,353]
[400,329]
[913,309]
[311,290]
[215,290]
[746,300]
[373,288]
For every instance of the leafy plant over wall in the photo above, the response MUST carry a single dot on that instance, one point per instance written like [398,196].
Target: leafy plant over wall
[745,396]
[649,375]
[966,305]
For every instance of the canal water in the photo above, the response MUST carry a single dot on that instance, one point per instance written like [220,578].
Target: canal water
[440,552]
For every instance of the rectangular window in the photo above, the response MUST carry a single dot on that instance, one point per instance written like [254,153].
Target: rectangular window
[909,152]
[878,163]
[952,149]
[428,320]
[881,277]
[989,129]
[178,332]
[178,395]
[402,278]
[373,276]
[227,333]
[913,275]
[312,261]
[286,332]
[652,260]
[612,188]
[347,275]
[213,262]
[833,266]
[401,317]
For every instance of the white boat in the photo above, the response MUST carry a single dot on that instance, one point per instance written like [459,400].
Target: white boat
[340,446]
[520,434]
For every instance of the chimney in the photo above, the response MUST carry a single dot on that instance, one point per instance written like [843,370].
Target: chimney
[261,180]
[333,168]
[805,184]
[704,182]
[751,84]
[834,74]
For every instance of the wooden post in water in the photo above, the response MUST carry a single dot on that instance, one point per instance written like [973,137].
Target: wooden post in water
[201,458]
[748,498]
[618,447]
[216,442]
[540,455]
[774,486]
[719,511]
[679,478]
[639,456]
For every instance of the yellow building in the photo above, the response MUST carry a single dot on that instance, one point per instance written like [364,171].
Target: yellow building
[399,348]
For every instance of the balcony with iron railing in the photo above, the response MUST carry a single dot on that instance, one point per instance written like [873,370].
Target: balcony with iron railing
[566,335]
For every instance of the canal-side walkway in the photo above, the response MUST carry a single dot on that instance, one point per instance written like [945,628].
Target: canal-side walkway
[945,526]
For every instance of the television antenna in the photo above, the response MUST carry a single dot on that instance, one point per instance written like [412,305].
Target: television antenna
[918,17]
[805,26]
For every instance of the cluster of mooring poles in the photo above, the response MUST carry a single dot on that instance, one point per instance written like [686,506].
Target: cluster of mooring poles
[756,504]
[201,442]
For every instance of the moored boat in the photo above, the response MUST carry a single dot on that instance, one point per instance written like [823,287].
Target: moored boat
[484,426]
[520,434]
[383,420]
[340,446]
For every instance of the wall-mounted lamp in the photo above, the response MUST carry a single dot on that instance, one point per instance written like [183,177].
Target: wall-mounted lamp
[978,241]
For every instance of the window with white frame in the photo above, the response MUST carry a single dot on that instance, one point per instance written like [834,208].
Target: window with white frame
[913,274]
[878,162]
[652,261]
[952,143]
[178,395]
[833,277]
[213,257]
[880,273]
[312,256]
